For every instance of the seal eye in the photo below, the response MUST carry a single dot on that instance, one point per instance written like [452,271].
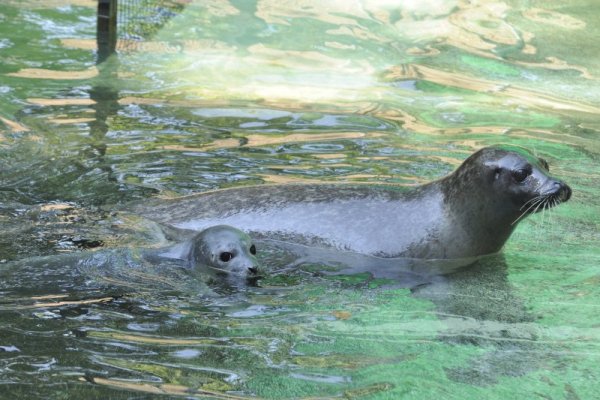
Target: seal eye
[253,250]
[521,174]
[225,256]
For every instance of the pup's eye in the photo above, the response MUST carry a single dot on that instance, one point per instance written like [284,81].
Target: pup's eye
[225,256]
[520,175]
[253,250]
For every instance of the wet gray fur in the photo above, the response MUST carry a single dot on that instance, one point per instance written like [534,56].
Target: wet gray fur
[468,213]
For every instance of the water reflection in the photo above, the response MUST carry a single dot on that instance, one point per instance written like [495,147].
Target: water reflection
[229,93]
[294,327]
[479,308]
[237,340]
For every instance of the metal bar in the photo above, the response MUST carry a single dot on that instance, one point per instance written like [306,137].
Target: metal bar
[106,29]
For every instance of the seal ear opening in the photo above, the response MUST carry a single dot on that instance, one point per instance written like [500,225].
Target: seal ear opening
[492,168]
[497,172]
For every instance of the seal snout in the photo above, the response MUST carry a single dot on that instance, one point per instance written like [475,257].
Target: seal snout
[559,191]
[246,269]
[563,191]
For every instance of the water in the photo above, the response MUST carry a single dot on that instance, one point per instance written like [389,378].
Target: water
[230,93]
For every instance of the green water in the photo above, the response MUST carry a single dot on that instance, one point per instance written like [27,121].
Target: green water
[228,93]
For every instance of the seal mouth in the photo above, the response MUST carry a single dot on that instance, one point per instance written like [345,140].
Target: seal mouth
[238,278]
[565,193]
[253,280]
[253,276]
[250,273]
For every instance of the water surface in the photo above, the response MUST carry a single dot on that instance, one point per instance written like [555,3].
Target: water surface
[212,94]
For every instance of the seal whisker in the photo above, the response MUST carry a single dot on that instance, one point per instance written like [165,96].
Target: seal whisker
[538,200]
[551,210]
[540,204]
[218,269]
[545,207]
[531,201]
[552,203]
[524,213]
[555,202]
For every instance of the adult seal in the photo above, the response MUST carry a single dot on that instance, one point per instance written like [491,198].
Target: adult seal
[469,213]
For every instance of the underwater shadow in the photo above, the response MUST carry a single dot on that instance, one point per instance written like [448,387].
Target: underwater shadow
[474,300]
[480,308]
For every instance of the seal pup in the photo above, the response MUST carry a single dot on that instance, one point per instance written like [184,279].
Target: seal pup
[217,251]
[224,250]
[469,213]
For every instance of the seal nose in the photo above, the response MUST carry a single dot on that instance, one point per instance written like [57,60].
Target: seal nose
[253,270]
[563,190]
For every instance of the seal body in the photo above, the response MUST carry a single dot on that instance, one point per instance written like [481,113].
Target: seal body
[469,213]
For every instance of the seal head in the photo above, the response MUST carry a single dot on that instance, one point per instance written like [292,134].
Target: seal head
[493,190]
[525,179]
[224,251]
